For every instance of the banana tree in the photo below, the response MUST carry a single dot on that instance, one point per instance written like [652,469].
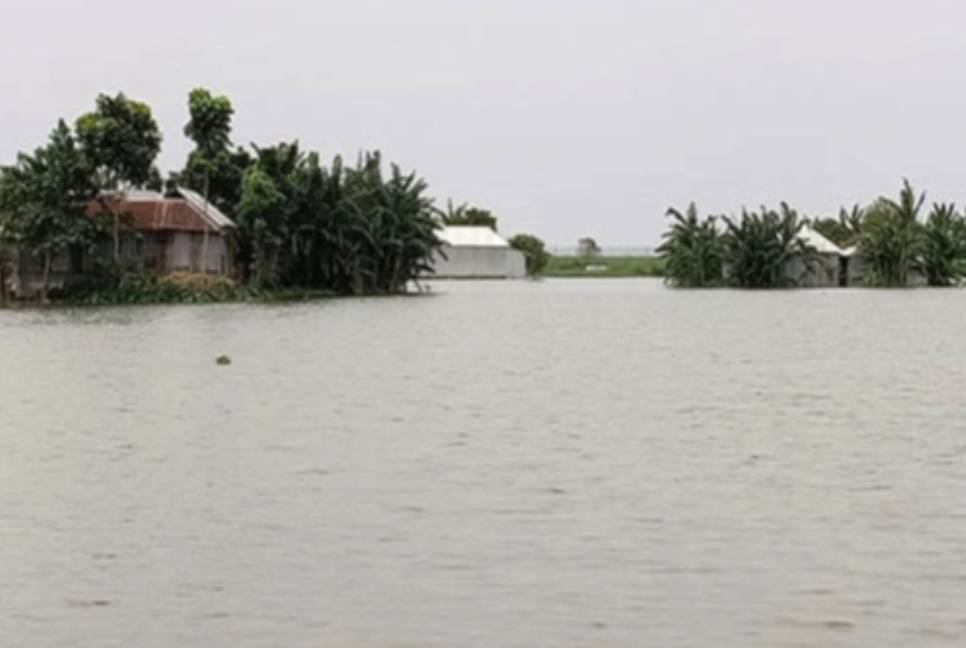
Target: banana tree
[944,246]
[760,246]
[692,250]
[891,238]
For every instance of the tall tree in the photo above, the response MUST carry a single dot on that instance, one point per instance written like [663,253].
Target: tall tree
[692,250]
[891,237]
[759,247]
[45,199]
[121,141]
[261,219]
[209,127]
[944,246]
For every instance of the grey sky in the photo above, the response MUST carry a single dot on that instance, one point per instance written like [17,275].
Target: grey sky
[565,117]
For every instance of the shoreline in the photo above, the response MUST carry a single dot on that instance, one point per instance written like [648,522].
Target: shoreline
[604,267]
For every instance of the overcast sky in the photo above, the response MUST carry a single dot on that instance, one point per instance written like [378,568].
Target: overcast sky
[565,117]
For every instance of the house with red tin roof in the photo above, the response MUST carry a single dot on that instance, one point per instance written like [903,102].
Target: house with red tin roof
[158,234]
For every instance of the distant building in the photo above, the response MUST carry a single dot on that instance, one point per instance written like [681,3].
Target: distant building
[829,269]
[477,253]
[587,247]
[158,234]
[834,266]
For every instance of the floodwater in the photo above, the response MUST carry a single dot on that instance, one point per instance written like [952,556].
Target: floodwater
[565,463]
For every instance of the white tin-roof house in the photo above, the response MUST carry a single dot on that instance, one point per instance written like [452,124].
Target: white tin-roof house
[477,253]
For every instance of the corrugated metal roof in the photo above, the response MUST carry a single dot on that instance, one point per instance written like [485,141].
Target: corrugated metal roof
[206,210]
[469,236]
[819,242]
[151,211]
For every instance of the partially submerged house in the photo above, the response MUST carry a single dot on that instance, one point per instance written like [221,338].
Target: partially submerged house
[160,234]
[835,266]
[829,268]
[477,253]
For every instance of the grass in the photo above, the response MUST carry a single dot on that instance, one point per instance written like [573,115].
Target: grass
[618,266]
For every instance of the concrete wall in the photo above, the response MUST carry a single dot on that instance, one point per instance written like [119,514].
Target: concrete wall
[480,263]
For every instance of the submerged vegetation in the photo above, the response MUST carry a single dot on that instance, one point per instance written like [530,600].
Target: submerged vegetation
[693,250]
[893,242]
[752,251]
[303,226]
[759,247]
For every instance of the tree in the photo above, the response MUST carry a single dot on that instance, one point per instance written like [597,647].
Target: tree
[759,247]
[891,237]
[468,216]
[220,177]
[692,250]
[210,124]
[209,127]
[944,246]
[121,141]
[261,217]
[7,250]
[534,251]
[587,247]
[45,197]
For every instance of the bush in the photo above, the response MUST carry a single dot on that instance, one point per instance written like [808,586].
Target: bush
[177,288]
[533,250]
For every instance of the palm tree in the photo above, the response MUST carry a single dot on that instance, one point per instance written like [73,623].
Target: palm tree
[760,246]
[944,246]
[692,250]
[851,224]
[891,235]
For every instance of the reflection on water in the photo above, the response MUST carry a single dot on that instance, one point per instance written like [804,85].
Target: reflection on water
[599,463]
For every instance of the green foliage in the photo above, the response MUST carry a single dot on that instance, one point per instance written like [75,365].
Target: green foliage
[944,246]
[844,231]
[831,228]
[468,216]
[349,230]
[534,250]
[121,141]
[605,266]
[891,238]
[221,177]
[759,247]
[210,124]
[178,288]
[303,228]
[44,197]
[692,250]
[263,220]
[209,127]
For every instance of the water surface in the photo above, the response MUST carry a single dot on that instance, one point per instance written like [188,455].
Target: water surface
[564,463]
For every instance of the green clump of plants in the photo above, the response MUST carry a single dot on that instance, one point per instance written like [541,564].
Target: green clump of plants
[534,251]
[177,288]
[895,243]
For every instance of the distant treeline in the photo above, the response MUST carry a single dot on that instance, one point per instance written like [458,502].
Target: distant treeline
[893,239]
[343,228]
